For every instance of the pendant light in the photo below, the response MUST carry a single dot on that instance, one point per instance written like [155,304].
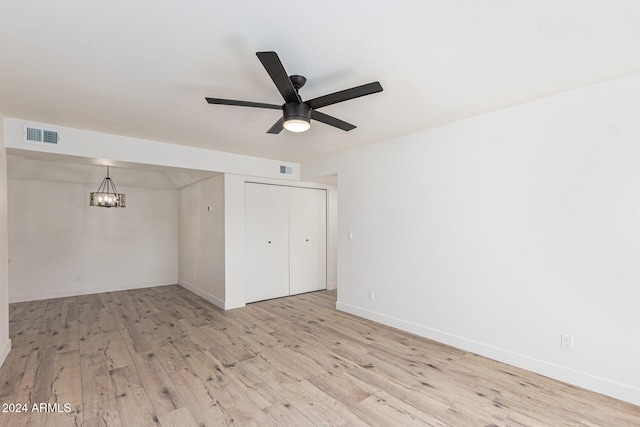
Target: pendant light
[107,195]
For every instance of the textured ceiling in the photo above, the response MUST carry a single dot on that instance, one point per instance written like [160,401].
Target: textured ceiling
[142,68]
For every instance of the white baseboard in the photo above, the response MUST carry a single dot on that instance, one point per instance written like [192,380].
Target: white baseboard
[4,351]
[584,380]
[211,298]
[332,285]
[87,291]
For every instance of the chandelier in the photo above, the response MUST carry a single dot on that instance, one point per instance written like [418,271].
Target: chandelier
[107,195]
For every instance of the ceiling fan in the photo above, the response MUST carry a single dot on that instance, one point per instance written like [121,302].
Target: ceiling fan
[297,114]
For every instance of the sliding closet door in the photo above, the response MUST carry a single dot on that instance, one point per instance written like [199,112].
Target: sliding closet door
[308,240]
[266,241]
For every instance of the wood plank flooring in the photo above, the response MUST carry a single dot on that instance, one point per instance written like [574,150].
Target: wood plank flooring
[163,356]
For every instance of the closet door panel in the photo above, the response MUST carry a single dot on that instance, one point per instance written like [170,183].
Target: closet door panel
[308,240]
[266,242]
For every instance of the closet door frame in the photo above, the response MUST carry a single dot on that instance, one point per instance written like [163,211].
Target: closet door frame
[259,286]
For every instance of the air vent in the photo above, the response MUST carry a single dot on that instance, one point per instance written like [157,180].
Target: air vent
[286,170]
[34,134]
[50,137]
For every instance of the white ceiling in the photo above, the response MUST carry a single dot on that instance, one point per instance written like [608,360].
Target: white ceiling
[142,68]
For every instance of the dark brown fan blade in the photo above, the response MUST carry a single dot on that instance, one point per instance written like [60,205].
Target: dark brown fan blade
[330,120]
[276,71]
[344,95]
[277,126]
[243,103]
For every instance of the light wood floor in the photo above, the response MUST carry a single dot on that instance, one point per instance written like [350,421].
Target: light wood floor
[163,356]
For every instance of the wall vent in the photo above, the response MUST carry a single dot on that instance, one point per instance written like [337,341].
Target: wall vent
[286,170]
[34,134]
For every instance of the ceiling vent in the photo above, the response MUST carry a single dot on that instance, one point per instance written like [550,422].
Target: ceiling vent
[286,170]
[44,136]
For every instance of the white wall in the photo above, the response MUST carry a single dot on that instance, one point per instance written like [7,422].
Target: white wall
[5,342]
[201,266]
[60,246]
[499,233]
[118,148]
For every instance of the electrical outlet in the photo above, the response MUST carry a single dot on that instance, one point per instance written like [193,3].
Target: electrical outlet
[371,295]
[566,341]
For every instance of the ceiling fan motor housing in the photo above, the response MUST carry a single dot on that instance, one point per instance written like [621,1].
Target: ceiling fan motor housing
[296,110]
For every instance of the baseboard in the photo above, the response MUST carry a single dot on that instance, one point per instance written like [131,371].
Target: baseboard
[211,298]
[87,291]
[584,380]
[4,351]
[332,285]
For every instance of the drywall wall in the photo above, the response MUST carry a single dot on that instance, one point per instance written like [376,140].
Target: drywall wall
[118,148]
[5,342]
[60,246]
[201,239]
[499,233]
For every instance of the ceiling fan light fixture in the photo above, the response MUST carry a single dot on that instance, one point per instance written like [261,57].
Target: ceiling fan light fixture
[297,116]
[297,124]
